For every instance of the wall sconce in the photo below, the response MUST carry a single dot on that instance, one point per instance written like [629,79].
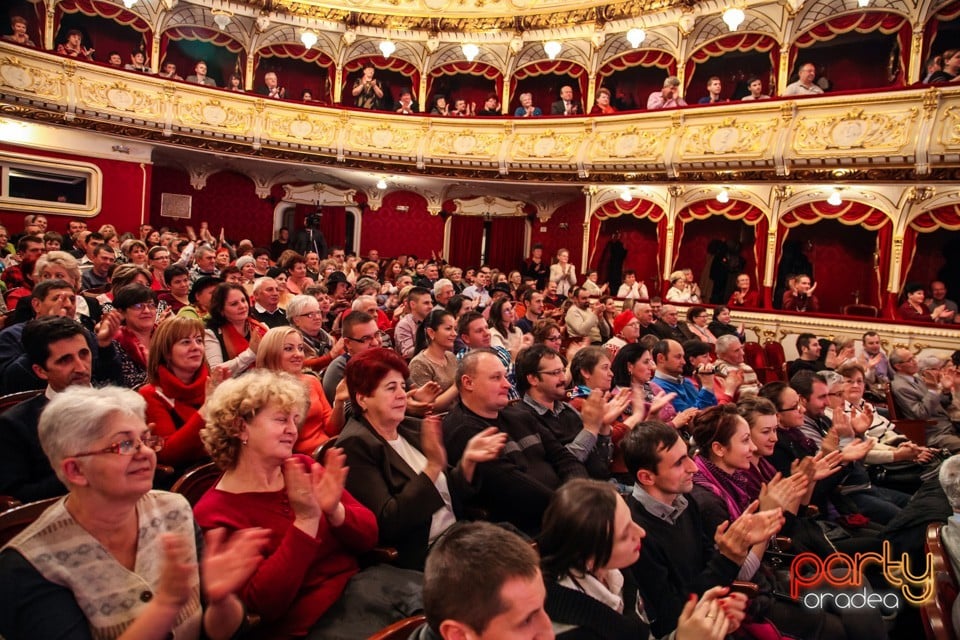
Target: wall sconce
[734,18]
[636,36]
[723,197]
[387,48]
[308,38]
[552,48]
[626,195]
[381,184]
[835,200]
[470,51]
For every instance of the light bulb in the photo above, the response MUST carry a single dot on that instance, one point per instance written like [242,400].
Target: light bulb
[387,48]
[552,48]
[636,36]
[835,200]
[381,184]
[626,196]
[723,197]
[470,51]
[734,18]
[308,38]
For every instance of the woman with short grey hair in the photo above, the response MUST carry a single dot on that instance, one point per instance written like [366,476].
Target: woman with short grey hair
[113,557]
[304,313]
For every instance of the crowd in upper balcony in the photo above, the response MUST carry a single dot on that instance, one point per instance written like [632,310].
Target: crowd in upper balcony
[369,92]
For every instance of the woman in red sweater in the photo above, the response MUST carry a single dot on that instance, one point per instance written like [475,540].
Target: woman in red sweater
[309,580]
[176,388]
[282,349]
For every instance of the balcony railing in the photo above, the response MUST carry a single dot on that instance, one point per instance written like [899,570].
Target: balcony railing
[914,129]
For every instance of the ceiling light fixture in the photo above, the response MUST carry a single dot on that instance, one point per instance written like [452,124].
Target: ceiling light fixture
[470,51]
[863,3]
[129,3]
[734,18]
[835,200]
[723,197]
[552,48]
[221,18]
[626,195]
[308,38]
[381,184]
[387,48]
[636,36]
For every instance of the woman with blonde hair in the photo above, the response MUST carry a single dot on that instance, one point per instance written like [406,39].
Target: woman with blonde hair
[282,349]
[61,265]
[310,571]
[563,273]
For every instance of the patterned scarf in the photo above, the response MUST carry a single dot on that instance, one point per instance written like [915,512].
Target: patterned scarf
[731,488]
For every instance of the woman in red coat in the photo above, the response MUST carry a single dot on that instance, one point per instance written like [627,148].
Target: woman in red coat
[176,389]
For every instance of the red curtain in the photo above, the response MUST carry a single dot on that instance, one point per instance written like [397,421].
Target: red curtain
[843,249]
[33,13]
[641,223]
[860,22]
[734,43]
[111,12]
[466,233]
[298,68]
[505,244]
[184,46]
[396,74]
[694,247]
[472,81]
[543,79]
[634,75]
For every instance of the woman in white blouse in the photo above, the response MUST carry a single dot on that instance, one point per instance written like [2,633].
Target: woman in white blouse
[563,273]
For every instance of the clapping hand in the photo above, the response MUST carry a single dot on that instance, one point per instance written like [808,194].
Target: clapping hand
[752,527]
[177,569]
[228,563]
[703,620]
[784,493]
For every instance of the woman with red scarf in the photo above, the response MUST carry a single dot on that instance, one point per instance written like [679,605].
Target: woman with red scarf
[137,305]
[232,336]
[177,377]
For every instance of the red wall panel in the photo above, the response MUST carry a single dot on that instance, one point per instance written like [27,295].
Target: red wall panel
[555,237]
[123,187]
[393,232]
[228,200]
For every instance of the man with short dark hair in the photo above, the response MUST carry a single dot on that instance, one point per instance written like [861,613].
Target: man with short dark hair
[536,267]
[58,354]
[714,87]
[533,301]
[360,332]
[541,378]
[808,349]
[90,244]
[668,355]
[582,321]
[877,503]
[419,304]
[20,275]
[517,486]
[474,332]
[679,556]
[876,365]
[482,582]
[98,275]
[938,298]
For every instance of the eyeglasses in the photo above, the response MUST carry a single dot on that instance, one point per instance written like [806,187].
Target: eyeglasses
[552,372]
[553,338]
[789,409]
[313,315]
[364,339]
[128,447]
[140,306]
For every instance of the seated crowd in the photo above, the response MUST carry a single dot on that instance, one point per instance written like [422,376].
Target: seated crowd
[354,404]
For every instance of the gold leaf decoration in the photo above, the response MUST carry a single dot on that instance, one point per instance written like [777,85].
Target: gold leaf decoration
[857,129]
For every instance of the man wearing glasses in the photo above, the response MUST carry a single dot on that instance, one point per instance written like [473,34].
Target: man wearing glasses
[360,332]
[541,379]
[924,398]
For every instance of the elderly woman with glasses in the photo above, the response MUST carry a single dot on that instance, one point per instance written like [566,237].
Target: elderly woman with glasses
[310,573]
[320,348]
[399,469]
[114,559]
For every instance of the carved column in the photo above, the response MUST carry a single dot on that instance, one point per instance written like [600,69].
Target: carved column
[248,73]
[673,207]
[915,69]
[591,96]
[590,195]
[49,26]
[337,84]
[155,53]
